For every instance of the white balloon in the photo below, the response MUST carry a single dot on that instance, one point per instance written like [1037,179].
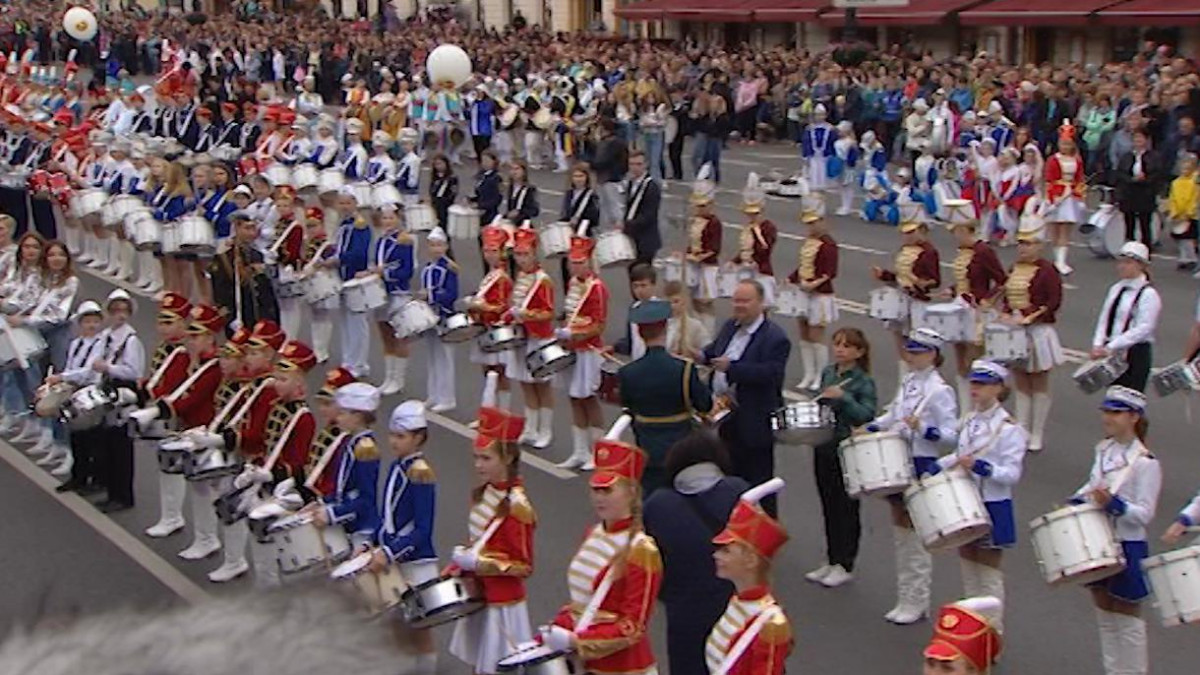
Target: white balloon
[80,23]
[448,63]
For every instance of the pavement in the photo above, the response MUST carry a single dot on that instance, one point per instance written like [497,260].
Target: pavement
[68,558]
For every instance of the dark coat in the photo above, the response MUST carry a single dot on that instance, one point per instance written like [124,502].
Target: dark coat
[1139,196]
[641,224]
[258,296]
[758,376]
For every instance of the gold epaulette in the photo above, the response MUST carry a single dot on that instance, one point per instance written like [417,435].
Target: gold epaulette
[777,630]
[520,507]
[643,552]
[365,449]
[420,472]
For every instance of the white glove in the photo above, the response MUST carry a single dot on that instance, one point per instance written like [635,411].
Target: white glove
[559,639]
[208,439]
[563,333]
[144,417]
[465,559]
[235,325]
[285,488]
[126,397]
[251,475]
[287,274]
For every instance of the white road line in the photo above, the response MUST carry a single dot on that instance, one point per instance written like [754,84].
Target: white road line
[531,459]
[106,527]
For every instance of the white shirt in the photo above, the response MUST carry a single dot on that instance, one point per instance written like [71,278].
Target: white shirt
[925,394]
[1144,318]
[54,306]
[81,354]
[1140,481]
[124,352]
[734,350]
[992,436]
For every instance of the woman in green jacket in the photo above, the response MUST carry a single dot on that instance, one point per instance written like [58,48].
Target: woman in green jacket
[847,386]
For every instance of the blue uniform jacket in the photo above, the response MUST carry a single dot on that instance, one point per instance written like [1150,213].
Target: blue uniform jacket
[481,117]
[487,195]
[440,278]
[353,502]
[406,512]
[398,261]
[353,249]
[817,141]
[217,208]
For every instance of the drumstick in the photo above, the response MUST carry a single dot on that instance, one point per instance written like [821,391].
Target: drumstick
[607,356]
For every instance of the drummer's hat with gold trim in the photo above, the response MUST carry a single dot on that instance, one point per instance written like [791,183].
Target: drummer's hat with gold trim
[966,630]
[704,189]
[236,344]
[296,356]
[615,461]
[960,213]
[174,307]
[494,237]
[752,526]
[525,239]
[912,216]
[812,207]
[334,380]
[205,319]
[267,333]
[753,196]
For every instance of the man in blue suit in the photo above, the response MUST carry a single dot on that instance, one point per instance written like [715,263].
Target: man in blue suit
[749,357]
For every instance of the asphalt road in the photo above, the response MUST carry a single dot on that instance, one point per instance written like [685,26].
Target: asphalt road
[62,564]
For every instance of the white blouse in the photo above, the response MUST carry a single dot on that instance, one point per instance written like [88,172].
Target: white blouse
[992,436]
[1138,479]
[925,394]
[54,306]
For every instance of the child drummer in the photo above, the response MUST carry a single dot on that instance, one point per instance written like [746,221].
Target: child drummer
[352,504]
[918,273]
[394,258]
[490,302]
[439,286]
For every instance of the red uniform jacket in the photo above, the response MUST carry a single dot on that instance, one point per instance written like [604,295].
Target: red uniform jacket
[1057,186]
[326,483]
[704,240]
[290,252]
[1034,288]
[617,640]
[249,438]
[295,445]
[924,265]
[541,303]
[760,247]
[589,317]
[507,558]
[818,258]
[495,292]
[978,274]
[169,373]
[767,652]
[193,403]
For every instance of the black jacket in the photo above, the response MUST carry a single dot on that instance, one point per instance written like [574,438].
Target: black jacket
[1139,196]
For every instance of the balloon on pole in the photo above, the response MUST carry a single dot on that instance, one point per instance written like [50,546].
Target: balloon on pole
[80,23]
[448,64]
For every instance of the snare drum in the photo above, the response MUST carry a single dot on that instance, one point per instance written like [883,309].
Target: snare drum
[365,294]
[1179,376]
[289,285]
[614,248]
[791,301]
[196,235]
[384,194]
[555,240]
[51,399]
[322,285]
[279,174]
[420,218]
[87,202]
[537,660]
[380,590]
[26,342]
[502,338]
[459,327]
[87,407]
[1076,544]
[330,182]
[463,222]
[442,600]
[803,423]
[362,193]
[877,464]
[1003,343]
[951,320]
[1175,579]
[1099,373]
[413,318]
[118,207]
[729,277]
[549,359]
[170,238]
[143,230]
[172,454]
[946,510]
[305,177]
[888,303]
[211,463]
[303,546]
[610,383]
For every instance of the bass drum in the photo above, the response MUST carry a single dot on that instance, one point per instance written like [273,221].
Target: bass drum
[1107,234]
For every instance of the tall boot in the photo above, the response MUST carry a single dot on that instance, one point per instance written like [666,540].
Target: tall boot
[1108,641]
[530,432]
[991,582]
[205,541]
[1041,413]
[140,280]
[153,273]
[128,254]
[389,385]
[171,490]
[1060,260]
[113,268]
[100,254]
[806,365]
[846,207]
[71,239]
[1024,408]
[580,450]
[401,372]
[971,583]
[594,434]
[914,572]
[820,355]
[322,332]
[964,398]
[1130,633]
[545,434]
[235,564]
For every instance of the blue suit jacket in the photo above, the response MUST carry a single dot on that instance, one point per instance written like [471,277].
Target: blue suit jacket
[758,376]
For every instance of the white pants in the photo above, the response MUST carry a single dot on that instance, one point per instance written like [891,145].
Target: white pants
[265,558]
[355,336]
[503,144]
[533,147]
[290,315]
[439,374]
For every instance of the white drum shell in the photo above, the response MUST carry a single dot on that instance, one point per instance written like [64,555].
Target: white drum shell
[463,222]
[555,240]
[951,320]
[384,194]
[888,303]
[279,174]
[196,234]
[143,230]
[413,318]
[946,510]
[322,285]
[614,248]
[305,177]
[1076,544]
[330,181]
[1174,577]
[1005,344]
[87,202]
[876,464]
[28,343]
[420,218]
[791,301]
[304,546]
[365,294]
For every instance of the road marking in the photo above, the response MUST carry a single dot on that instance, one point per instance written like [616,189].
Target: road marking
[108,528]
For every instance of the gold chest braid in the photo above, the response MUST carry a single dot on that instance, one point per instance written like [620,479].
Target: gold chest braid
[808,258]
[277,421]
[696,234]
[574,296]
[746,241]
[1018,287]
[226,392]
[961,262]
[160,355]
[311,246]
[905,259]
[524,284]
[324,437]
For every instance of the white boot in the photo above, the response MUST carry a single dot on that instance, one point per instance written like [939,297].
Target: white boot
[846,207]
[530,433]
[322,331]
[113,268]
[266,564]
[54,454]
[580,451]
[1024,408]
[1108,640]
[9,423]
[154,274]
[30,430]
[594,434]
[140,280]
[914,571]
[171,491]
[44,444]
[964,401]
[806,365]
[389,385]
[1130,634]
[205,541]
[1060,260]
[820,359]
[63,470]
[991,582]
[545,433]
[128,255]
[1041,413]
[235,564]
[99,254]
[71,239]
[971,584]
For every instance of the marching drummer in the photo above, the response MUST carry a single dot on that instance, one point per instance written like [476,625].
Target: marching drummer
[532,307]
[443,189]
[123,361]
[487,196]
[500,555]
[979,278]
[918,273]
[614,577]
[585,307]
[704,246]
[85,348]
[325,409]
[521,197]
[353,160]
[1066,185]
[381,168]
[316,250]
[169,367]
[1032,297]
[1125,481]
[991,449]
[753,636]
[757,238]
[394,257]
[815,274]
[352,504]
[489,304]
[287,250]
[408,172]
[965,638]
[405,534]
[352,258]
[580,205]
[439,287]
[925,415]
[1127,321]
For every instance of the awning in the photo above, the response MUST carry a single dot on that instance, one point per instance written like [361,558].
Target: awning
[723,11]
[916,13]
[1034,12]
[646,10]
[787,11]
[1137,12]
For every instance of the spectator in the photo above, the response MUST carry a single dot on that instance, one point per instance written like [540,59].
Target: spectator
[1139,173]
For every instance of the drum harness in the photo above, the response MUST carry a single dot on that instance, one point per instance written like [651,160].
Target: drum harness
[1126,471]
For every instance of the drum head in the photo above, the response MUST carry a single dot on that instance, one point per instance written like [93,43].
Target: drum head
[1114,237]
[351,567]
[528,656]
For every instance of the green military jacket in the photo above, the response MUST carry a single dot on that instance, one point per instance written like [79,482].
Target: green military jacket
[655,391]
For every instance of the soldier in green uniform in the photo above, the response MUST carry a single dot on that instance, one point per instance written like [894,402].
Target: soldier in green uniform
[660,391]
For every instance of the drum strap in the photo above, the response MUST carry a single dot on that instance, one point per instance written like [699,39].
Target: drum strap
[591,285]
[539,276]
[519,197]
[1112,311]
[280,444]
[747,638]
[187,384]
[1126,471]
[581,203]
[162,369]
